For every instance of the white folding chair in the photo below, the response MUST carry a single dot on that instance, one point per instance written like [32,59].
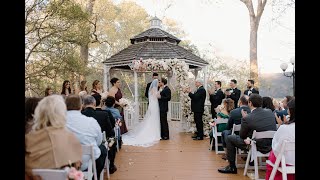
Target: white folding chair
[107,163]
[284,169]
[216,134]
[117,135]
[253,153]
[92,170]
[239,152]
[50,174]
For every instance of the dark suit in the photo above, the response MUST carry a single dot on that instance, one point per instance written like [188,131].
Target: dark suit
[146,93]
[235,96]
[259,119]
[197,106]
[163,105]
[216,99]
[253,90]
[234,118]
[104,120]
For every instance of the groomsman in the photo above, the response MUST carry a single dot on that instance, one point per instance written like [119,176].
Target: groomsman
[216,97]
[250,88]
[197,106]
[233,92]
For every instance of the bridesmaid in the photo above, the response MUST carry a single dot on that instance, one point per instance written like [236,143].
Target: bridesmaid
[117,94]
[66,89]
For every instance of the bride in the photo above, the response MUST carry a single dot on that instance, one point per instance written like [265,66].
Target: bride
[147,133]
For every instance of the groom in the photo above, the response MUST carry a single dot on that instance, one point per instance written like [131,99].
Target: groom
[163,97]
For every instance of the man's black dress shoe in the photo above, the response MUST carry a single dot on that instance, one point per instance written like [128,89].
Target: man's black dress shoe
[228,170]
[195,136]
[165,138]
[112,169]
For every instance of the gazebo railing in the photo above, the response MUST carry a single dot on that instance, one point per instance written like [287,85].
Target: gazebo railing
[174,113]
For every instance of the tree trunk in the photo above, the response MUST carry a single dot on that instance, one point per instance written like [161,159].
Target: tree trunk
[84,49]
[253,53]
[254,24]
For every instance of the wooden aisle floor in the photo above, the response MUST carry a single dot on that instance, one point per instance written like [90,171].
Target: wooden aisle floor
[179,158]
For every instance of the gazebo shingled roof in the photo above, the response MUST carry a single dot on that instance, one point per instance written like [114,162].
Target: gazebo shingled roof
[154,43]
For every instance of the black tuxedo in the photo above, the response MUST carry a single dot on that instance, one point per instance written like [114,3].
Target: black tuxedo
[163,105]
[103,119]
[216,99]
[248,91]
[197,106]
[236,116]
[146,93]
[235,96]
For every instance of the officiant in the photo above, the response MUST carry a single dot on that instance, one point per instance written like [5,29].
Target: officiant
[198,98]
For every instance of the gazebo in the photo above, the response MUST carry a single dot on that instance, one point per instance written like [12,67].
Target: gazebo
[154,43]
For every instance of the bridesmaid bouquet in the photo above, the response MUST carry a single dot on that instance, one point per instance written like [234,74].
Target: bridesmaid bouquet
[127,104]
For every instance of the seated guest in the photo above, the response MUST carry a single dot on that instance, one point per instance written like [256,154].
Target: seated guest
[224,111]
[284,111]
[276,105]
[88,132]
[50,145]
[267,103]
[259,119]
[102,118]
[110,102]
[284,132]
[234,118]
[30,105]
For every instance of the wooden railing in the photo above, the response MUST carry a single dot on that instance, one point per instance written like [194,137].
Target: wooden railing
[174,113]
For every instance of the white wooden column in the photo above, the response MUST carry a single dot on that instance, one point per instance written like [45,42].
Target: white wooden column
[106,77]
[136,98]
[196,73]
[205,85]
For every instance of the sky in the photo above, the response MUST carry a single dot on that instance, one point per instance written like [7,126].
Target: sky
[223,27]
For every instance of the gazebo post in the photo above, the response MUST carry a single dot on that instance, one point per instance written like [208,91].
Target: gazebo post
[136,98]
[205,71]
[106,77]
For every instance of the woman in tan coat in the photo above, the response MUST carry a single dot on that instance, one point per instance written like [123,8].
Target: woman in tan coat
[50,145]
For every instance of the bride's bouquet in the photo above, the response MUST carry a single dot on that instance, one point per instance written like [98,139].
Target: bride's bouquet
[126,104]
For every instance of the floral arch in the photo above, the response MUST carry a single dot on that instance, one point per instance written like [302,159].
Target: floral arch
[180,69]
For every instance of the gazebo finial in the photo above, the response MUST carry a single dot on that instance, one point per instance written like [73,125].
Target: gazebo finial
[156,22]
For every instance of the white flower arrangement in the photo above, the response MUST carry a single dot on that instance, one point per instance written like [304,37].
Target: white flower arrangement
[126,104]
[178,67]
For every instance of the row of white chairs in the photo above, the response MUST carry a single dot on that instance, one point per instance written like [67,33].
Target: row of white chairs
[254,154]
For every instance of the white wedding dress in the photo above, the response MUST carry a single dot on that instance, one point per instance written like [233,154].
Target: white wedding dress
[147,132]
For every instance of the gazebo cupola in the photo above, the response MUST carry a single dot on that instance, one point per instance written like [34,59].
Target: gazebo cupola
[155,34]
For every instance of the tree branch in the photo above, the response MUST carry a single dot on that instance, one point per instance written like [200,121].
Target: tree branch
[95,36]
[249,5]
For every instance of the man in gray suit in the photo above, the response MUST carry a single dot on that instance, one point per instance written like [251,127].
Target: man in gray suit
[259,119]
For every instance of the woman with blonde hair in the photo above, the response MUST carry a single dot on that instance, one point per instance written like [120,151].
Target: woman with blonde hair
[50,145]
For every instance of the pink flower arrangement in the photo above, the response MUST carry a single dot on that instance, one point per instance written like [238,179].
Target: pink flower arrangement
[74,174]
